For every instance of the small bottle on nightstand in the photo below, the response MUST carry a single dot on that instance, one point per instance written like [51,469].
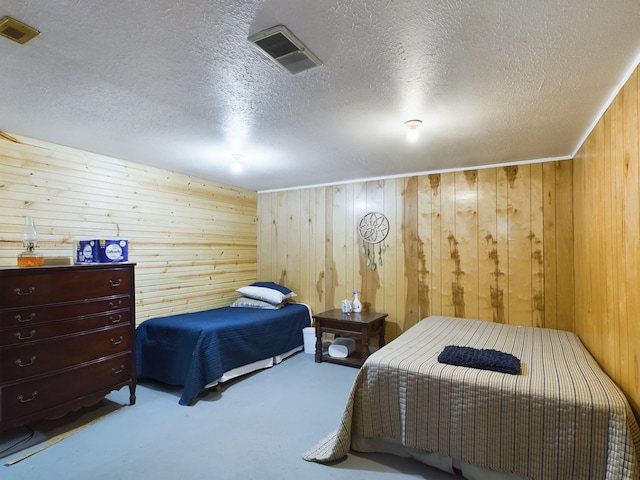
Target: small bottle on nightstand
[357,305]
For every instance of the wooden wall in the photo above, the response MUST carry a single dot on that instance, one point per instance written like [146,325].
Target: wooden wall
[194,241]
[607,241]
[493,244]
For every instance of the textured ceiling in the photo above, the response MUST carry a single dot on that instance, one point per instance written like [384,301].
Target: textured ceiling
[176,84]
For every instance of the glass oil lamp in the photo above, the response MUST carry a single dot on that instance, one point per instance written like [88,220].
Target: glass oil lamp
[30,258]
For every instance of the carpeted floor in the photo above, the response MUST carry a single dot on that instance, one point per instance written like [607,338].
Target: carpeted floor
[256,427]
[23,441]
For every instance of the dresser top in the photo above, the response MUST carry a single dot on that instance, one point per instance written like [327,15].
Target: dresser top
[42,268]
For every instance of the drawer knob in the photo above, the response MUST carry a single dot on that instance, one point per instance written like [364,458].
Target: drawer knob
[117,304]
[32,360]
[19,291]
[116,320]
[25,400]
[19,318]
[116,283]
[20,337]
[117,371]
[115,342]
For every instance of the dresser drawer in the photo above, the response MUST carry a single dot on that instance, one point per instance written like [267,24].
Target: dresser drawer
[34,395]
[39,286]
[28,316]
[48,331]
[36,358]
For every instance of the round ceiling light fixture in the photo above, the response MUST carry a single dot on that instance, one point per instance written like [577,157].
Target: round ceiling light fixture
[236,165]
[413,125]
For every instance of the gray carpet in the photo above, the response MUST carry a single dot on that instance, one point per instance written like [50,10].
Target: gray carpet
[22,441]
[256,427]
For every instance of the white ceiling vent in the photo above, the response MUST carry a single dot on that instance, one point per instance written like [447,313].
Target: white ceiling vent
[282,46]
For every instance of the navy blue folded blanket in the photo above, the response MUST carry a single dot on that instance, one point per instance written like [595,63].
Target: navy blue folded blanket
[485,359]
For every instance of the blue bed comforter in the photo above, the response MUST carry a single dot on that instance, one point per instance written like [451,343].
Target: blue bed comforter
[195,349]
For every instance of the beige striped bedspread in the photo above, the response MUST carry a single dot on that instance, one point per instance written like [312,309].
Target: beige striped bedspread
[561,418]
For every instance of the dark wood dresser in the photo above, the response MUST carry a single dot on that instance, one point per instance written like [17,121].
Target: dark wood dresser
[67,338]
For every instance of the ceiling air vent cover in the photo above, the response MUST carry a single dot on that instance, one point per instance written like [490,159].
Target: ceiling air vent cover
[282,46]
[16,30]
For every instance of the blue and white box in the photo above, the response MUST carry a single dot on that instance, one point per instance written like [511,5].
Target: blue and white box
[101,251]
[113,251]
[87,251]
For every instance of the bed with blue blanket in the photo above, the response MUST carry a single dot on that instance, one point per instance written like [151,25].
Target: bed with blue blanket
[196,350]
[491,401]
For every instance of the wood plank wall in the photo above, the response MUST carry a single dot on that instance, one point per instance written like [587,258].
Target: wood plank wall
[194,241]
[607,241]
[494,244]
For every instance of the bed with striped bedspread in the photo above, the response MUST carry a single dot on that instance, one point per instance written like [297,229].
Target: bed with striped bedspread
[562,417]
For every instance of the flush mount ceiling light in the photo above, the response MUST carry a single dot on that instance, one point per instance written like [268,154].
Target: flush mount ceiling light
[236,165]
[279,44]
[17,31]
[413,125]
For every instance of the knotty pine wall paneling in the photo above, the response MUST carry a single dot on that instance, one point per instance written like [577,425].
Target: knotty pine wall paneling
[606,201]
[558,209]
[194,241]
[394,282]
[425,245]
[489,273]
[493,244]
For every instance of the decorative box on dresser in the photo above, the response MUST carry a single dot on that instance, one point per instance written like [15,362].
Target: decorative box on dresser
[67,338]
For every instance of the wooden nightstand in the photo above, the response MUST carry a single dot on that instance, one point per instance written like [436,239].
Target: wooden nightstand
[359,326]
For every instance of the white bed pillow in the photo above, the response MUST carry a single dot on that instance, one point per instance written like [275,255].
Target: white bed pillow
[265,294]
[246,302]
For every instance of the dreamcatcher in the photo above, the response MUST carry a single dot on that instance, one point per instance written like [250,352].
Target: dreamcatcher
[373,229]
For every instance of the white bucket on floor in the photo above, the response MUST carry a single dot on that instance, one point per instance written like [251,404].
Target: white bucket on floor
[309,336]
